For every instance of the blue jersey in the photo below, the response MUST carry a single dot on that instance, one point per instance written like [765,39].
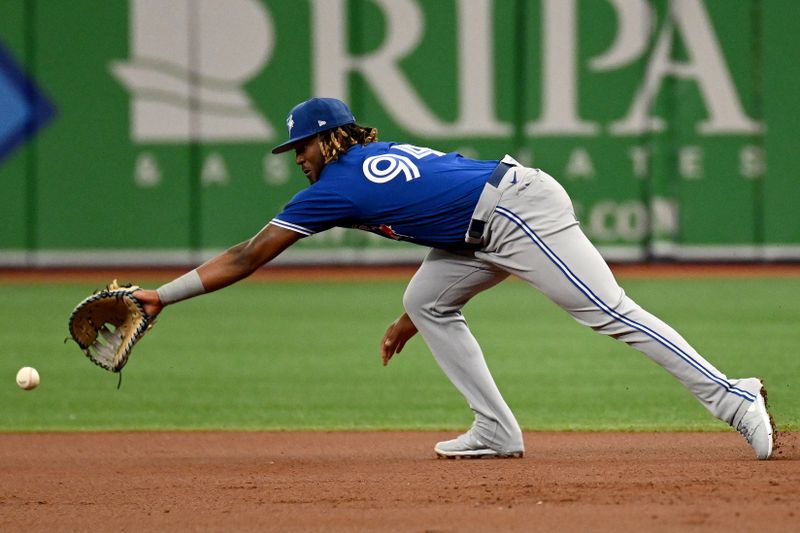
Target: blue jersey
[398,191]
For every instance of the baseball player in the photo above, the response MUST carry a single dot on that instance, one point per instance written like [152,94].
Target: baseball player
[484,221]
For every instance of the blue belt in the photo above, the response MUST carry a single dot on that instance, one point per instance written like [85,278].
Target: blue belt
[476,226]
[498,173]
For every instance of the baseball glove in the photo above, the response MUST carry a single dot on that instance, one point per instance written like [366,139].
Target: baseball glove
[107,325]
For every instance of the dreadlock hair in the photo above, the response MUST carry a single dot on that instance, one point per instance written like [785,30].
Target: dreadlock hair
[336,141]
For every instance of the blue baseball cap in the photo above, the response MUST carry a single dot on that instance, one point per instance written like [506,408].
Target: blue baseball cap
[313,116]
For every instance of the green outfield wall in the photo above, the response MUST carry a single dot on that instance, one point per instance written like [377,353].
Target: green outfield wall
[138,132]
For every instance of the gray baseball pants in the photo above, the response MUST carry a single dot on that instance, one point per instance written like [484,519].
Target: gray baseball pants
[533,234]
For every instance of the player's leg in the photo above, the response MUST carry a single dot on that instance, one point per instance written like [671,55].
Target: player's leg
[535,236]
[433,300]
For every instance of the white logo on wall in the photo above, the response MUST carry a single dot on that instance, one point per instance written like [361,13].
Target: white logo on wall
[187,84]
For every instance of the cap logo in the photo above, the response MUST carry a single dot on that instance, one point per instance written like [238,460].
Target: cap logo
[321,123]
[290,124]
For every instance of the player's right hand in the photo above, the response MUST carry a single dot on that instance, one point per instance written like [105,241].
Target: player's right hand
[396,336]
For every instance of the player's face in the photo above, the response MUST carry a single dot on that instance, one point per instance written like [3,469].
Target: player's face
[308,157]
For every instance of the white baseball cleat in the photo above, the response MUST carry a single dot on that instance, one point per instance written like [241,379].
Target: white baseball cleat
[757,426]
[467,446]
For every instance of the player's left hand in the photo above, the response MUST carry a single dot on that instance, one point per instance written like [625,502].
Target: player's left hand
[396,336]
[150,301]
[107,325]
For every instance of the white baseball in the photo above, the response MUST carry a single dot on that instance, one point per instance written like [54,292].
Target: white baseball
[27,378]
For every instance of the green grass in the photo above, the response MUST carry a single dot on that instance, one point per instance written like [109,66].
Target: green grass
[304,356]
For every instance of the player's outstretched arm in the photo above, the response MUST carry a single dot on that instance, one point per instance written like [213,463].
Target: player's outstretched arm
[230,266]
[396,336]
[241,260]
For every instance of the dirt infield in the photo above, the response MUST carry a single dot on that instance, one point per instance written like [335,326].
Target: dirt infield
[390,481]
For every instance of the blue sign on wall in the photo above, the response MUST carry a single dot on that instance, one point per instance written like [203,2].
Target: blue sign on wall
[23,108]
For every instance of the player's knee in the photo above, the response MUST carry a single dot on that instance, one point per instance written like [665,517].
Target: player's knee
[414,301]
[615,321]
[420,303]
[429,300]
